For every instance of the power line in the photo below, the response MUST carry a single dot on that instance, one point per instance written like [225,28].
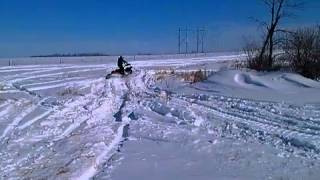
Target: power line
[199,39]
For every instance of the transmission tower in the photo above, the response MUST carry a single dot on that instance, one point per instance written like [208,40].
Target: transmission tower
[200,34]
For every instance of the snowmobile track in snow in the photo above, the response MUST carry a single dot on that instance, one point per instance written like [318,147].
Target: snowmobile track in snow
[93,128]
[259,122]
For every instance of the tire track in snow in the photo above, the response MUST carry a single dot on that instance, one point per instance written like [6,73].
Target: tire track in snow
[292,137]
[71,128]
[54,74]
[272,124]
[122,118]
[64,84]
[43,139]
[6,110]
[50,82]
[37,70]
[35,119]
[25,90]
[271,118]
[81,119]
[277,121]
[26,67]
[258,110]
[15,122]
[9,91]
[104,157]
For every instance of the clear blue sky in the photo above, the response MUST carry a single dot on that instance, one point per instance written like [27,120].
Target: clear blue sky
[33,27]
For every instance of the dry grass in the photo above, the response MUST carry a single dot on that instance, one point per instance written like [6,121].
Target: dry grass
[162,74]
[70,91]
[192,76]
[239,64]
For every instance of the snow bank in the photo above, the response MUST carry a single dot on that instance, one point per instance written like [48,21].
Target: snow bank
[279,87]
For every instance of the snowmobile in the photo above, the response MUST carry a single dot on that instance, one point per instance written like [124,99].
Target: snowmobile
[126,70]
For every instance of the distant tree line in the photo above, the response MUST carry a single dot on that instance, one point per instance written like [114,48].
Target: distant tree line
[72,55]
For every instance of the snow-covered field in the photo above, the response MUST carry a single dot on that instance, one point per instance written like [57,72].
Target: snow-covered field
[65,121]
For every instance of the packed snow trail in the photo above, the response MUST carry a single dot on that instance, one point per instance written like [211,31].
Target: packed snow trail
[86,125]
[88,119]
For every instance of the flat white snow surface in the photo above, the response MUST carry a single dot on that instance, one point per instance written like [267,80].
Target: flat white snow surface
[68,122]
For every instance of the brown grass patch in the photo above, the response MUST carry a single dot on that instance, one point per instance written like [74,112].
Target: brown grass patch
[70,91]
[192,76]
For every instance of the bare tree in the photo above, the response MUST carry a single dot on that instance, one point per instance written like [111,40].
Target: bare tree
[251,49]
[278,10]
[302,50]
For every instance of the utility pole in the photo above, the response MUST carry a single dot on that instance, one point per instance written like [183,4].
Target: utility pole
[198,40]
[202,41]
[179,39]
[186,39]
[203,32]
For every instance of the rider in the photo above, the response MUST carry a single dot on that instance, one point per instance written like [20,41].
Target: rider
[123,65]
